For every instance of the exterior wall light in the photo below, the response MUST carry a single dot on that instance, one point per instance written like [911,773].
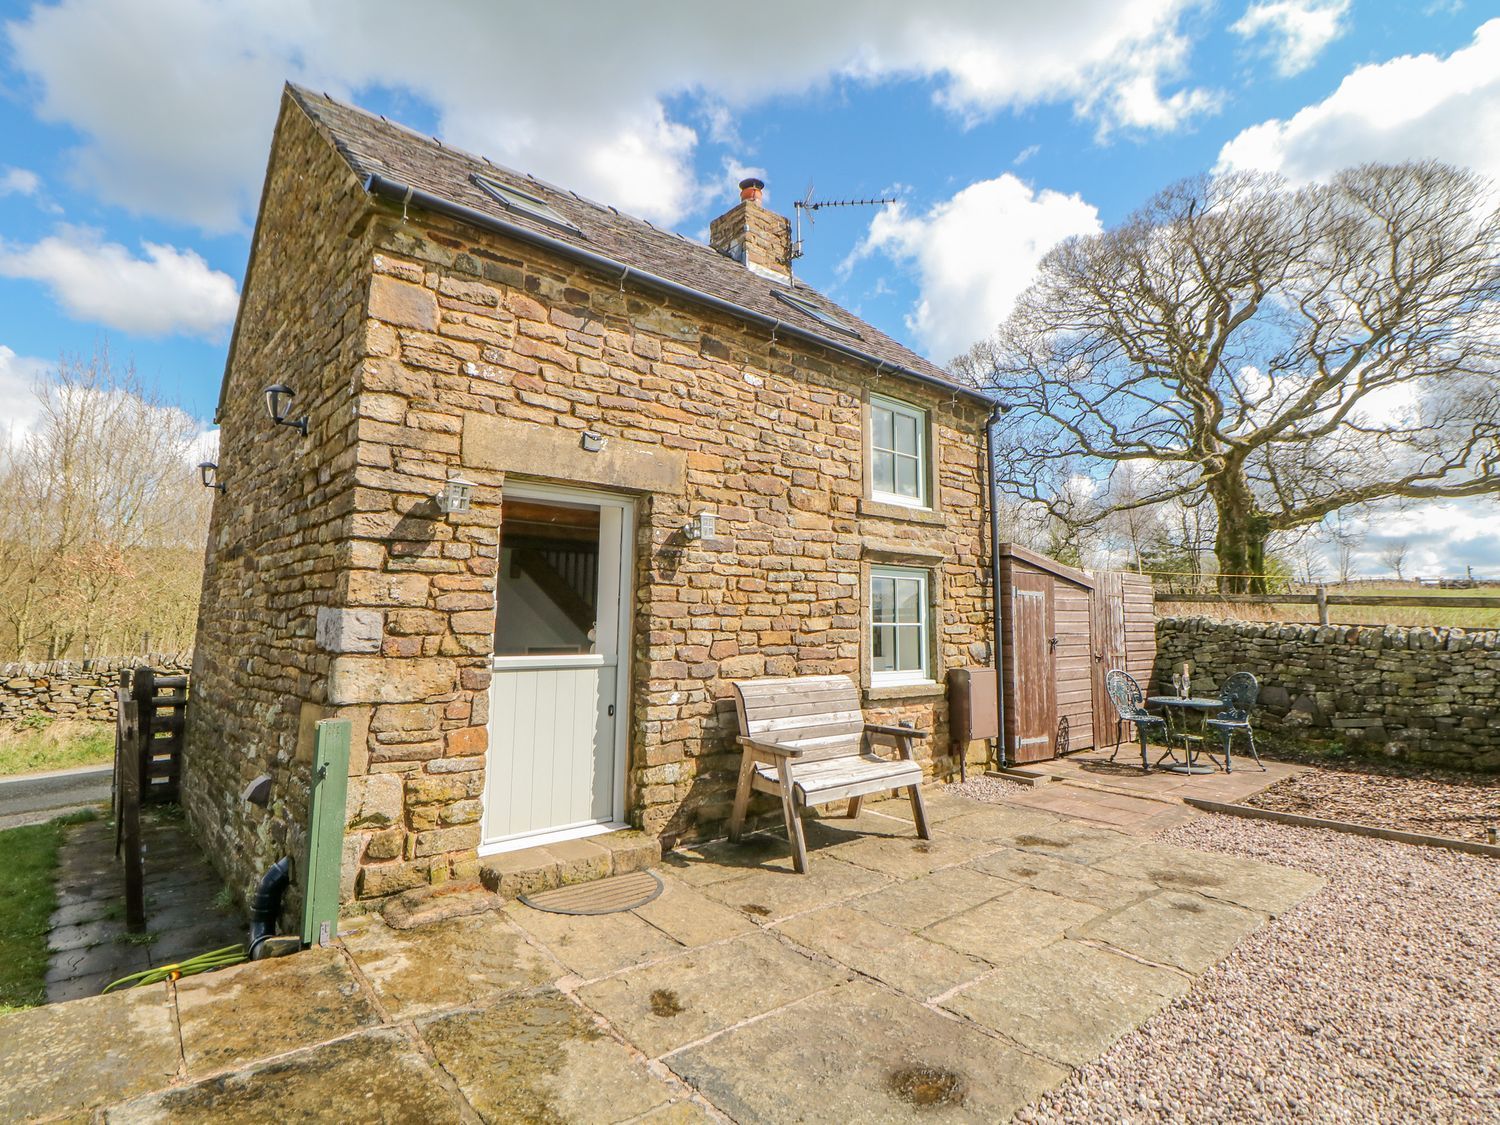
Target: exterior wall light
[456,495]
[279,398]
[592,442]
[208,472]
[704,525]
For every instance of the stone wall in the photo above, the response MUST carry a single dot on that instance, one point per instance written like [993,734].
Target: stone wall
[280,530]
[71,689]
[1423,694]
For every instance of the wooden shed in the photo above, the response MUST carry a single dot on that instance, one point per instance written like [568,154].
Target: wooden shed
[1062,629]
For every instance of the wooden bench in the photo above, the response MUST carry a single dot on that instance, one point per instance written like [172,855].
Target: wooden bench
[805,740]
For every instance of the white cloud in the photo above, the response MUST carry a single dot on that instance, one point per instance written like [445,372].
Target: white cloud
[1442,538]
[169,291]
[975,253]
[1293,32]
[1410,108]
[19,181]
[179,124]
[18,379]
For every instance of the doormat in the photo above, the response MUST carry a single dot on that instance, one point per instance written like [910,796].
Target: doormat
[604,896]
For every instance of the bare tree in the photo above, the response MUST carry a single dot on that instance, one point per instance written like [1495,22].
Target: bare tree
[1347,542]
[1283,353]
[1393,555]
[101,519]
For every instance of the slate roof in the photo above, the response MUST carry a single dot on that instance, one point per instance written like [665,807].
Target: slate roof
[374,146]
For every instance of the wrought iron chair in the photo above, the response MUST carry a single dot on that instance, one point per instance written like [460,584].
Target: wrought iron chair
[1130,706]
[1239,693]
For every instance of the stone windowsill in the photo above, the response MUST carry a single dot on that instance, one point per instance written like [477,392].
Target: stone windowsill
[879,510]
[879,693]
[899,551]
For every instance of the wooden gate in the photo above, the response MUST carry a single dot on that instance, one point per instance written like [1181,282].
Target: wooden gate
[1032,644]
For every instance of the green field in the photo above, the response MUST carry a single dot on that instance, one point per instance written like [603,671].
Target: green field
[1437,614]
[35,745]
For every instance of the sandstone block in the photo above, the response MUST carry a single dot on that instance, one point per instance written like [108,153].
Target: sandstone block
[402,303]
[373,679]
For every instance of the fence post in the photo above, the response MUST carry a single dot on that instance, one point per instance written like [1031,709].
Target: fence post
[325,833]
[1322,604]
[130,814]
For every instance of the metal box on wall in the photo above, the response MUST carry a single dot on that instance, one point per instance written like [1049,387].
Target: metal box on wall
[973,711]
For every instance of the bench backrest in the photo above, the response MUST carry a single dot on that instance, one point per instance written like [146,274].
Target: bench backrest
[820,713]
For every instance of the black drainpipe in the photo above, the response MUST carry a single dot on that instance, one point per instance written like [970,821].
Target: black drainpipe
[989,472]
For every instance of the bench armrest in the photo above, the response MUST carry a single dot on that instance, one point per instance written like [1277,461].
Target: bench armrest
[775,748]
[907,732]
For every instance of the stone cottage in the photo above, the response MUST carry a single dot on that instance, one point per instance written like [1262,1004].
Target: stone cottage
[683,467]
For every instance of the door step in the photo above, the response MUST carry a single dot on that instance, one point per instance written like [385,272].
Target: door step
[511,874]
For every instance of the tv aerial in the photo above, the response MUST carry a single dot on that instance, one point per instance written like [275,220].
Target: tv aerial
[812,206]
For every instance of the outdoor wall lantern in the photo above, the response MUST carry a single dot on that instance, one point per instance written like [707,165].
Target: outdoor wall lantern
[279,404]
[209,472]
[456,495]
[704,525]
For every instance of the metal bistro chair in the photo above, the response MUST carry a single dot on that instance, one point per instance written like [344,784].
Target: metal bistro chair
[1239,693]
[1130,706]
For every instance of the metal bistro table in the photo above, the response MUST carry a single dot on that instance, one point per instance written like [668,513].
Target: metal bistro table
[1202,706]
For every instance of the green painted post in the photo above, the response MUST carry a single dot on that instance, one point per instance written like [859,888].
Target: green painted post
[325,832]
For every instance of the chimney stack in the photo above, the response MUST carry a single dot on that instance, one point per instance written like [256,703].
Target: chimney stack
[749,233]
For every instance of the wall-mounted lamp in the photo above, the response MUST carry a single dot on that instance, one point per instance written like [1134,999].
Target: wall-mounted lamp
[208,471]
[592,442]
[279,405]
[456,495]
[704,525]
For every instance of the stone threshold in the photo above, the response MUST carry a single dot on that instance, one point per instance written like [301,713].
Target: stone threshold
[547,866]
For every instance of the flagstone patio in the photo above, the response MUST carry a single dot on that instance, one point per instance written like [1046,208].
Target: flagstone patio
[956,979]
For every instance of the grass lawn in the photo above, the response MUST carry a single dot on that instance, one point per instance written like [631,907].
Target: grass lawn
[32,746]
[27,890]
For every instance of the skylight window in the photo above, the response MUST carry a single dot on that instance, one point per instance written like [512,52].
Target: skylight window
[819,315]
[524,202]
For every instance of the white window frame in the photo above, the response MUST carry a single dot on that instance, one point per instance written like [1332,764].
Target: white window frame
[923,673]
[897,408]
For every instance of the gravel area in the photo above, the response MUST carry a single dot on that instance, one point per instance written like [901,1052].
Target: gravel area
[1457,808]
[983,788]
[1376,999]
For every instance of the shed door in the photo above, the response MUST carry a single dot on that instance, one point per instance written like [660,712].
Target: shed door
[562,641]
[1031,652]
[1109,651]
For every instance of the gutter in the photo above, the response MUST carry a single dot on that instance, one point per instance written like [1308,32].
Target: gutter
[394,190]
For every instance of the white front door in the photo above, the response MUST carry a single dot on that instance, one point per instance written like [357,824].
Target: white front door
[556,766]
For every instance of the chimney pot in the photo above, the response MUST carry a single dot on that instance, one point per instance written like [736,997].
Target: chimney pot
[751,189]
[751,234]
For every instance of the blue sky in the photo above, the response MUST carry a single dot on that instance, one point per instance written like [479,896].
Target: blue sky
[133,136]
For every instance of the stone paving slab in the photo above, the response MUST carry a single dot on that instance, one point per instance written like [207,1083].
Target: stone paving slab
[1260,886]
[541,1058]
[1093,885]
[904,857]
[864,1053]
[691,918]
[768,896]
[593,945]
[377,1076]
[664,1006]
[227,1019]
[1013,924]
[918,903]
[64,1058]
[468,960]
[1067,1000]
[906,962]
[1173,928]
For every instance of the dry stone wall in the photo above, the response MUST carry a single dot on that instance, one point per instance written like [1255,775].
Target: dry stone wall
[70,689]
[1424,694]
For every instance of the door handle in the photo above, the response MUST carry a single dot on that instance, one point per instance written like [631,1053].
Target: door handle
[611,710]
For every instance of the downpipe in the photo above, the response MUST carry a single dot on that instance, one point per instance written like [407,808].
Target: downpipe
[265,909]
[995,599]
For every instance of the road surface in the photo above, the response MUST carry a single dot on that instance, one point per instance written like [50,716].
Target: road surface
[38,797]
